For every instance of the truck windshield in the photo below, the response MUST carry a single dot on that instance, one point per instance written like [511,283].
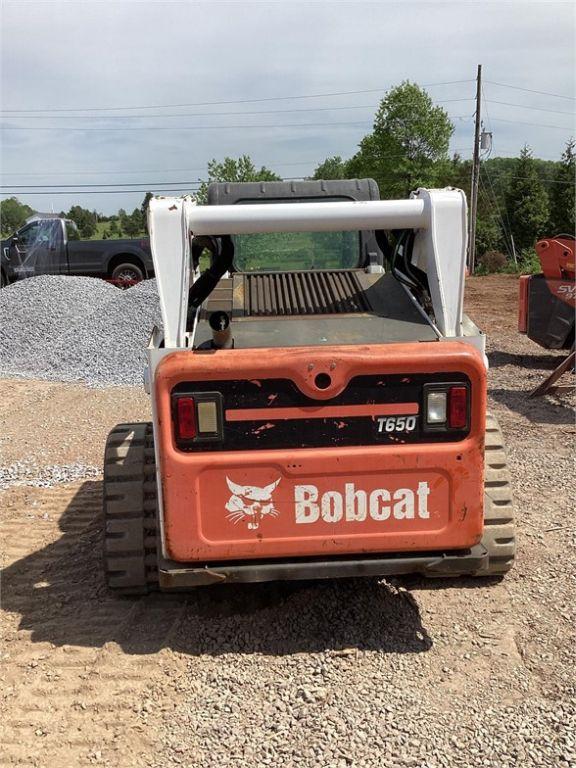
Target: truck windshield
[296,251]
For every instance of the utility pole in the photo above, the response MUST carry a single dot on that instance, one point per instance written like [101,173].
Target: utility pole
[475,177]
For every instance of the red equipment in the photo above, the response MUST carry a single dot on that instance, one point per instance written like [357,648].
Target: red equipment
[547,300]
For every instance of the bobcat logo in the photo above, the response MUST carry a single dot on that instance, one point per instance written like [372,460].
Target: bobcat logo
[250,503]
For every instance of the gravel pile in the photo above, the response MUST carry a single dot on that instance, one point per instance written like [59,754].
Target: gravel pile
[27,472]
[76,329]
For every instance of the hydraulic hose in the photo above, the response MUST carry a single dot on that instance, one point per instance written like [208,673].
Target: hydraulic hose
[222,249]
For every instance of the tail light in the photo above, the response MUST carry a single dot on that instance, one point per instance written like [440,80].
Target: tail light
[446,407]
[185,418]
[457,407]
[197,417]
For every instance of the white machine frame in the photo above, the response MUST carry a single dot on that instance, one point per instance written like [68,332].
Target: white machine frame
[439,217]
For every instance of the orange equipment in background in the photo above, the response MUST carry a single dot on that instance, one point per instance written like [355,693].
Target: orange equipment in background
[547,300]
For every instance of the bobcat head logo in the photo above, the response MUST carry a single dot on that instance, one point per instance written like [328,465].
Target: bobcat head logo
[250,503]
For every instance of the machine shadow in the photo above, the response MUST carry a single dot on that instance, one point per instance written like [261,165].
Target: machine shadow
[61,598]
[543,362]
[538,409]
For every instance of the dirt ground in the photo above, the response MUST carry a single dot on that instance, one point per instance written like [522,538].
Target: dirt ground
[344,673]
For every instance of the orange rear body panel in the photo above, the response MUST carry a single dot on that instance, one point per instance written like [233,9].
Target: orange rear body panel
[321,501]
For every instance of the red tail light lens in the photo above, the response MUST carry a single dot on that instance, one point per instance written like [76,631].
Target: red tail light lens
[185,418]
[457,407]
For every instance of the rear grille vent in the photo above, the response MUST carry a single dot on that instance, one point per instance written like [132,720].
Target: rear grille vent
[304,293]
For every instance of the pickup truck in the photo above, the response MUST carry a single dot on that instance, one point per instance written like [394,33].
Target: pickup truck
[52,246]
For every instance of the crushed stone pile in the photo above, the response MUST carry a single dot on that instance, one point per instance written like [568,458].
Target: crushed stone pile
[27,472]
[80,329]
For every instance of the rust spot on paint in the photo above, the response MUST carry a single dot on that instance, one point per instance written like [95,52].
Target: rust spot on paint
[463,513]
[173,208]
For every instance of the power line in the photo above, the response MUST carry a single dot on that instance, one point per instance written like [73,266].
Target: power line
[97,192]
[217,114]
[531,90]
[272,111]
[537,125]
[91,186]
[507,243]
[202,127]
[511,248]
[184,127]
[158,184]
[542,181]
[216,103]
[272,164]
[525,106]
[140,170]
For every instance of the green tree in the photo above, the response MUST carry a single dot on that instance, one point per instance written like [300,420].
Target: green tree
[133,224]
[409,140]
[13,214]
[122,219]
[85,220]
[144,208]
[526,202]
[488,231]
[332,168]
[232,170]
[562,199]
[114,230]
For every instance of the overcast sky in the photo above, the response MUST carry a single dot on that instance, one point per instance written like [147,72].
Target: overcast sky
[97,54]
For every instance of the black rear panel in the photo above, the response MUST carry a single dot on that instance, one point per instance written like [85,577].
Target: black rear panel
[271,432]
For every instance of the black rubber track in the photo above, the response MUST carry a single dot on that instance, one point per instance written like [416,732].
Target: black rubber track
[130,509]
[499,532]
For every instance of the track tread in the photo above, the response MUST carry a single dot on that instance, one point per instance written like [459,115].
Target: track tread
[499,534]
[130,509]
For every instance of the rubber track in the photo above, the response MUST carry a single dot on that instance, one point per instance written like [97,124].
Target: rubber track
[499,536]
[130,509]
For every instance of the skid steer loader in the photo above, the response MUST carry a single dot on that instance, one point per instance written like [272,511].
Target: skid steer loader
[318,396]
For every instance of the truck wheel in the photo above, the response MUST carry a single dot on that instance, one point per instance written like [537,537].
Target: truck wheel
[499,536]
[130,510]
[127,274]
